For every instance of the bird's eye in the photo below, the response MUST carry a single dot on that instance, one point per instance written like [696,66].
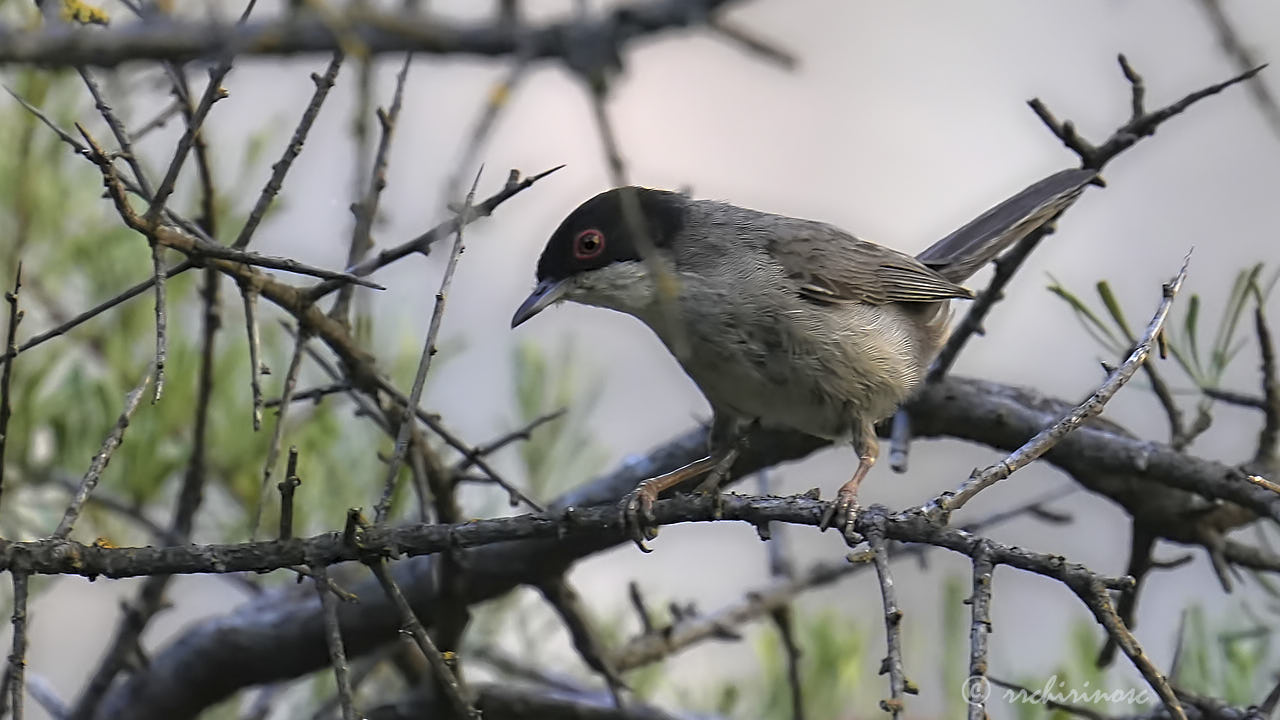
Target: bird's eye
[588,244]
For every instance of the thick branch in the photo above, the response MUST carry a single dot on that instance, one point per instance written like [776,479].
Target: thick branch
[375,32]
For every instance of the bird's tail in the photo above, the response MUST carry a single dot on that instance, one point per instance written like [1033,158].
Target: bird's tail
[965,251]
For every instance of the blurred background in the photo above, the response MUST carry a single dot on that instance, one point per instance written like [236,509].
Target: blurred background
[900,122]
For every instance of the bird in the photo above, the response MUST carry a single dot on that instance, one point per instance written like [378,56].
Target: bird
[781,322]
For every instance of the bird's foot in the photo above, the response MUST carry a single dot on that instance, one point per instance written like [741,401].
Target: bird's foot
[637,514]
[842,513]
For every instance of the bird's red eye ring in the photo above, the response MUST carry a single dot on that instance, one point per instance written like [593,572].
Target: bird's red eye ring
[588,244]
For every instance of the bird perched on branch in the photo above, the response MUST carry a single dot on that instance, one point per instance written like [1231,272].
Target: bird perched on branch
[779,321]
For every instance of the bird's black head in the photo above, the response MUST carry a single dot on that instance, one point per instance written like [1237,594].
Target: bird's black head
[600,232]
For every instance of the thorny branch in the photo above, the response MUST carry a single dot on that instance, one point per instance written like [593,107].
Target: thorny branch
[598,524]
[375,31]
[1140,124]
[407,417]
[410,624]
[149,600]
[6,375]
[280,169]
[366,208]
[590,527]
[899,686]
[1267,457]
[979,630]
[1050,436]
[654,643]
[18,655]
[100,460]
[333,638]
[277,433]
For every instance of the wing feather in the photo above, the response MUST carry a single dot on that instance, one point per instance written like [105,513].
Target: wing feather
[831,266]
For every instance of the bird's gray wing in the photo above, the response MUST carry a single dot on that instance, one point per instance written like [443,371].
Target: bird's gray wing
[965,251]
[831,266]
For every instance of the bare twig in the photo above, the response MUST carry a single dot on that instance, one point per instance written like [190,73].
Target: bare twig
[195,247]
[452,440]
[281,168]
[1050,436]
[94,311]
[780,568]
[212,93]
[162,342]
[1142,543]
[599,524]
[752,43]
[410,624]
[361,670]
[1140,125]
[782,618]
[159,120]
[333,636]
[422,243]
[15,317]
[277,434]
[652,644]
[18,656]
[90,479]
[250,298]
[1049,703]
[642,612]
[407,420]
[502,441]
[568,605]
[1266,456]
[1098,600]
[1235,398]
[1244,58]
[892,665]
[900,441]
[287,488]
[314,394]
[498,99]
[514,667]
[979,630]
[366,209]
[378,33]
[117,129]
[150,597]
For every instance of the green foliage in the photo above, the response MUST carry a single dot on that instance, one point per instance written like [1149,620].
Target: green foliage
[955,644]
[1226,658]
[1111,330]
[835,655]
[68,393]
[562,452]
[1184,341]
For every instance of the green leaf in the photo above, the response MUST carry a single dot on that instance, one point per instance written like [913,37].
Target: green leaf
[1113,307]
[1092,324]
[1191,325]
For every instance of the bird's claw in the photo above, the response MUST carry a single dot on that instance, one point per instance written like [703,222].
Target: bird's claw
[637,515]
[842,513]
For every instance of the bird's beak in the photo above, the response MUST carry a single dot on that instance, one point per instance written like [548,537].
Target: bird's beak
[547,292]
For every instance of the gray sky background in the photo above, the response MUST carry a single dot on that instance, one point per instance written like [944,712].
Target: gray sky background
[903,121]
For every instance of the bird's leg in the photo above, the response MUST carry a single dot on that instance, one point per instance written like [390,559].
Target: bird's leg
[736,435]
[637,508]
[844,509]
[726,438]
